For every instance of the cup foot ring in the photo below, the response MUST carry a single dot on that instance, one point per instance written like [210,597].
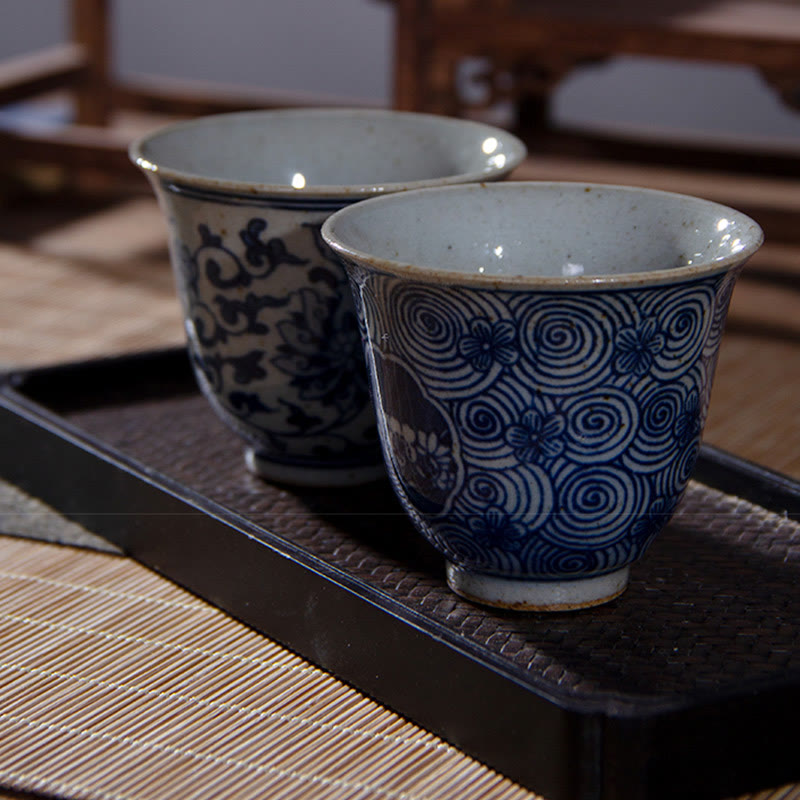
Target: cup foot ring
[297,475]
[526,595]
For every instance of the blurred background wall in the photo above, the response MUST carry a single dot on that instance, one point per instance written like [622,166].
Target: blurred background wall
[343,48]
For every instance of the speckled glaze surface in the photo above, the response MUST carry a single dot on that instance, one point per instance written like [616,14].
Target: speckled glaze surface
[268,310]
[542,358]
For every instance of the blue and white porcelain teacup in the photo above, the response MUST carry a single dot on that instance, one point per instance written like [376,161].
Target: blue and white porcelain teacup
[268,312]
[541,357]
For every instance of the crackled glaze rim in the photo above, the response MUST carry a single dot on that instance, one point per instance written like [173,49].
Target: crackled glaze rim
[513,148]
[630,280]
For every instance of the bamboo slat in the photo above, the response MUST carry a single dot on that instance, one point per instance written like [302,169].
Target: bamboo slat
[116,684]
[54,309]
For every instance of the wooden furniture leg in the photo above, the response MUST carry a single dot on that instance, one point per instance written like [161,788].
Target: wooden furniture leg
[91,30]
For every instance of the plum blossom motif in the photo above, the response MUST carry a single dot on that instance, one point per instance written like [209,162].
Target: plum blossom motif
[636,348]
[488,343]
[495,528]
[422,457]
[688,424]
[537,436]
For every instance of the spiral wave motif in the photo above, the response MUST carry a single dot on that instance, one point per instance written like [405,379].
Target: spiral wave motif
[482,423]
[567,342]
[459,545]
[525,494]
[685,317]
[425,326]
[575,416]
[484,419]
[545,559]
[484,490]
[600,424]
[494,521]
[617,555]
[676,476]
[455,541]
[724,291]
[654,446]
[596,508]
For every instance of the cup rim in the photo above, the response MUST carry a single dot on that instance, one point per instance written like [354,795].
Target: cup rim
[514,149]
[438,275]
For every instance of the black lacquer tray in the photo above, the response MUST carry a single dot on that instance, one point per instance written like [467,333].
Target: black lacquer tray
[689,684]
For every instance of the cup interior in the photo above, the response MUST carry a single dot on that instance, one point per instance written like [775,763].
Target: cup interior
[547,231]
[306,148]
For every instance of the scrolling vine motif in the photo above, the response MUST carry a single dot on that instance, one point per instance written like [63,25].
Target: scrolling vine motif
[264,314]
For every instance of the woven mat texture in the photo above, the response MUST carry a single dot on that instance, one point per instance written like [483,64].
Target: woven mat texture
[714,602]
[116,684]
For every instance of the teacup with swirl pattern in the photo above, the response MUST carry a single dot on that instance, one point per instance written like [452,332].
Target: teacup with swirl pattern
[541,358]
[269,317]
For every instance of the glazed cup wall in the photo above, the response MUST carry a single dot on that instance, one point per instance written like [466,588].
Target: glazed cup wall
[268,310]
[480,458]
[539,432]
[272,332]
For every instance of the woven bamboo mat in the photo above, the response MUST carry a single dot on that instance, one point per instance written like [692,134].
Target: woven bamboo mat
[89,288]
[117,684]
